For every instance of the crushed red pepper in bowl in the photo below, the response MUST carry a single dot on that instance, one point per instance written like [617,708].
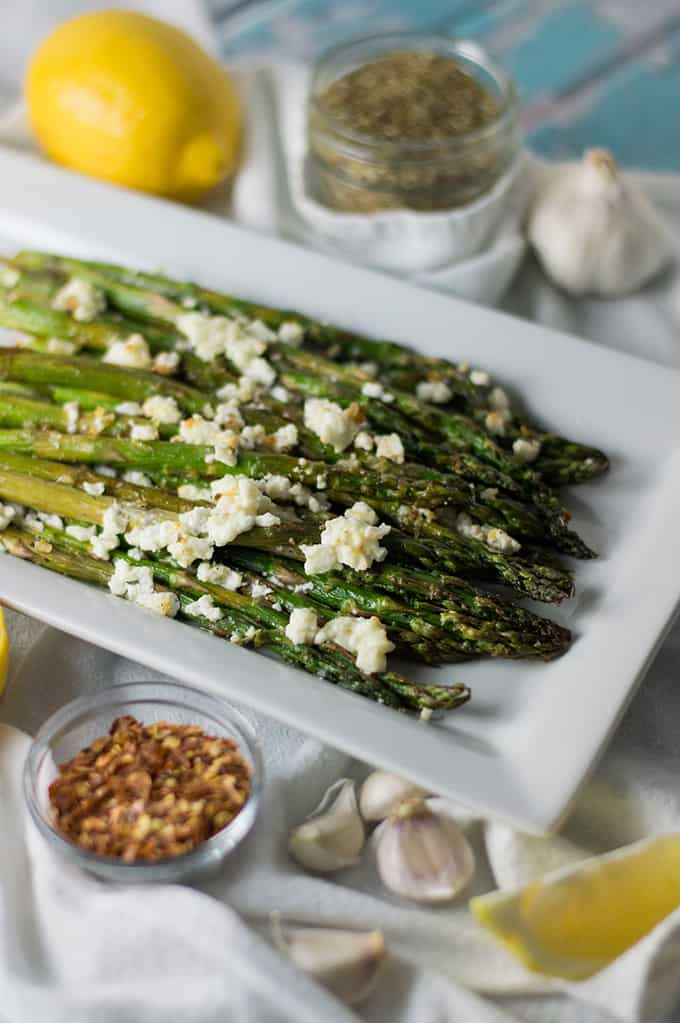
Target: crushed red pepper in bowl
[145,793]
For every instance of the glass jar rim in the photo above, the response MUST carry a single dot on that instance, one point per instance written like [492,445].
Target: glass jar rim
[357,144]
[205,702]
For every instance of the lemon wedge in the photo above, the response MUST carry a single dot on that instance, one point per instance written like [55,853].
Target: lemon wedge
[573,922]
[4,652]
[134,100]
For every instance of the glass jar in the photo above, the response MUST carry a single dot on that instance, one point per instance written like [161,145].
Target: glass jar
[357,173]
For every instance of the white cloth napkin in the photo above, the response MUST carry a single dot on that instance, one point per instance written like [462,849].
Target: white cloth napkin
[71,949]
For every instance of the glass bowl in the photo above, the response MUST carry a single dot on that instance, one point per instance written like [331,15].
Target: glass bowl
[78,723]
[356,173]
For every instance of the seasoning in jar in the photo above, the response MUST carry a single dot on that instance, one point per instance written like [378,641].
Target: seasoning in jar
[426,128]
[149,792]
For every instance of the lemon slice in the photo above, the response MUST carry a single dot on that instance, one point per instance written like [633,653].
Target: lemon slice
[4,652]
[573,922]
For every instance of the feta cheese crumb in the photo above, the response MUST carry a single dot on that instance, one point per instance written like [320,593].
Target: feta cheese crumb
[352,539]
[291,332]
[251,436]
[105,470]
[496,421]
[81,299]
[259,589]
[94,489]
[58,346]
[197,430]
[161,410]
[526,450]
[480,378]
[373,389]
[129,408]
[7,514]
[302,626]
[260,371]
[219,575]
[204,607]
[137,478]
[279,393]
[496,539]
[133,352]
[9,278]
[82,533]
[165,363]
[144,432]
[190,492]
[332,424]
[363,441]
[364,637]
[114,522]
[435,391]
[72,410]
[286,437]
[390,446]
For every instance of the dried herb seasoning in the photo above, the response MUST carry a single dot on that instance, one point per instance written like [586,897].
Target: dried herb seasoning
[422,128]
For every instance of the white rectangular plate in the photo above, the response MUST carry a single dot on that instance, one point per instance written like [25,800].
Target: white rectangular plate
[525,743]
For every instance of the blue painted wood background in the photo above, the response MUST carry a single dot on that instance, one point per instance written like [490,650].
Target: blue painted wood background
[590,72]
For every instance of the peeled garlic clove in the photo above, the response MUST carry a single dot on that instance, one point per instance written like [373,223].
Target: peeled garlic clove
[346,963]
[382,793]
[595,232]
[333,836]
[422,855]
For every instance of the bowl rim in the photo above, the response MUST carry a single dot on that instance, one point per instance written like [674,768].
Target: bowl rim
[84,705]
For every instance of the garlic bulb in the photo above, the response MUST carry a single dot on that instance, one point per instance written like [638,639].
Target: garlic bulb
[346,963]
[422,855]
[382,793]
[333,836]
[594,232]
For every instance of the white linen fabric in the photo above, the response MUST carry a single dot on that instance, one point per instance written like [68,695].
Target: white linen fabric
[74,949]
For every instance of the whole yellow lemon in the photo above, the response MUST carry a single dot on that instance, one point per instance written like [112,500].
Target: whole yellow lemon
[124,97]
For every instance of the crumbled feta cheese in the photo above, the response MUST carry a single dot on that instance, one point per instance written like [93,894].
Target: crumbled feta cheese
[332,424]
[114,522]
[321,481]
[207,335]
[261,371]
[94,489]
[31,521]
[163,603]
[373,389]
[129,408]
[105,470]
[204,607]
[54,521]
[279,393]
[72,410]
[197,430]
[267,519]
[225,448]
[259,329]
[364,637]
[165,363]
[190,492]
[369,367]
[435,391]
[259,589]
[390,446]
[137,478]
[135,583]
[496,539]
[303,588]
[7,514]
[302,626]
[227,414]
[497,421]
[208,411]
[144,432]
[239,502]
[489,494]
[81,299]
[82,533]
[153,536]
[363,441]
[285,437]
[251,436]
[498,399]
[9,277]
[480,378]
[276,487]
[133,352]
[98,421]
[219,575]
[291,332]
[526,450]
[161,410]
[352,539]
[187,549]
[57,346]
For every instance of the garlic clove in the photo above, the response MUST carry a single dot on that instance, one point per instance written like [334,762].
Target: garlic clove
[595,231]
[346,963]
[422,855]
[382,793]
[333,836]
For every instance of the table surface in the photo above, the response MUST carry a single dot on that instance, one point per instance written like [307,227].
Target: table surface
[590,72]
